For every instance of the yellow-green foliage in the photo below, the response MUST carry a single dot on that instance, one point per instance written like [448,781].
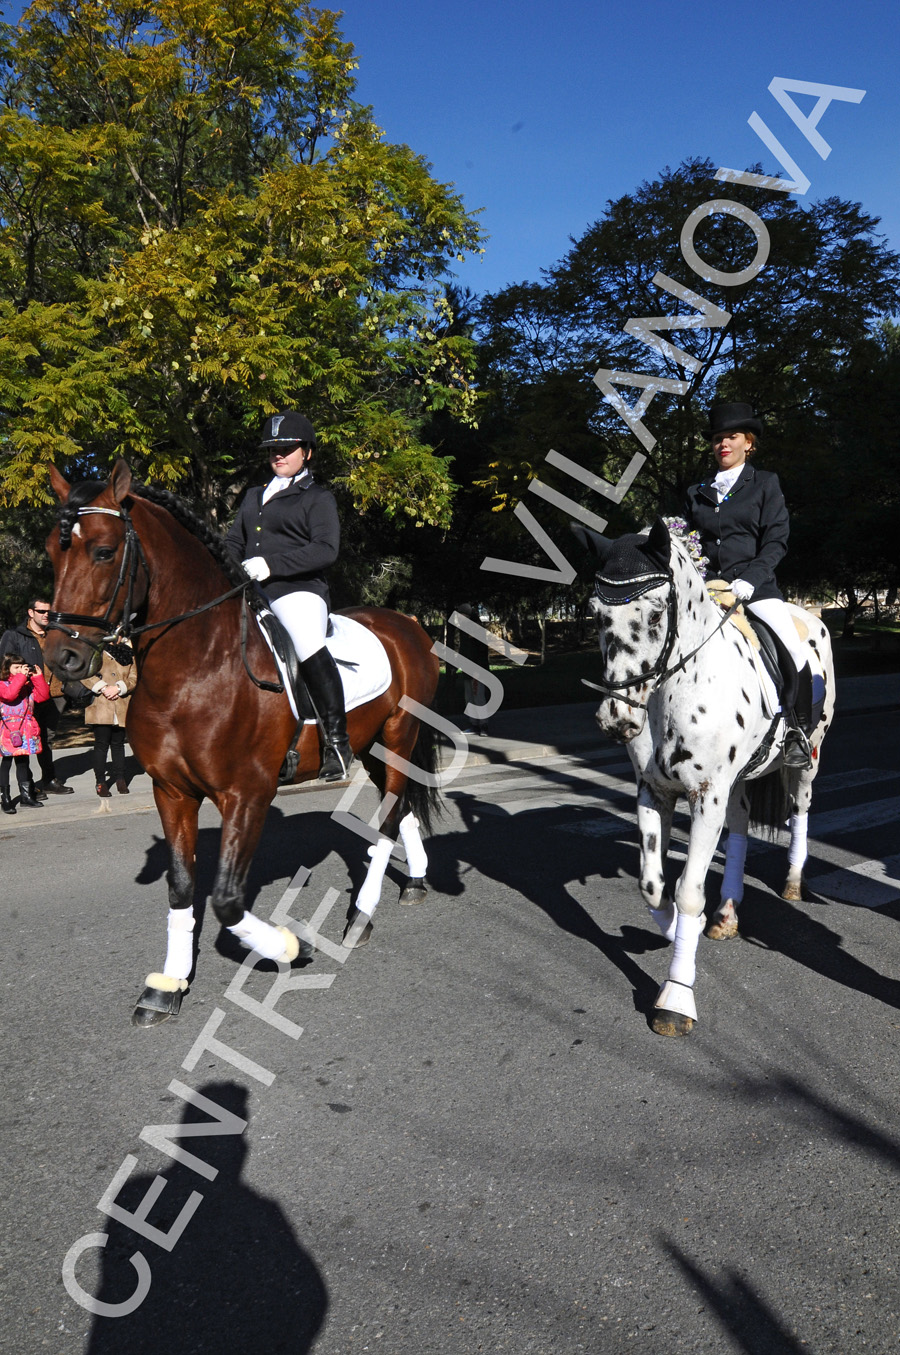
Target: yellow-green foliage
[198,227]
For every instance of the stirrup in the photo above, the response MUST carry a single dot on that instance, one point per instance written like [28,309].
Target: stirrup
[336,759]
[796,751]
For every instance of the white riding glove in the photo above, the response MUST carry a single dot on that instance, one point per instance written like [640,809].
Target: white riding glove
[742,590]
[256,569]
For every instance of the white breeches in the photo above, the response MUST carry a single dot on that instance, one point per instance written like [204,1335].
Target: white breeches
[776,615]
[305,618]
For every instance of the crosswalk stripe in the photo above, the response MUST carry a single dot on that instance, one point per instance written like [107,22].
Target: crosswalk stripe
[864,776]
[871,884]
[873,814]
[500,784]
[606,798]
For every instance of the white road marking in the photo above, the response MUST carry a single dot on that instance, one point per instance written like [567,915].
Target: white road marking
[864,776]
[871,884]
[872,814]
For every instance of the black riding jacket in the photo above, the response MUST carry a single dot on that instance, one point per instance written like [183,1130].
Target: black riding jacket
[745,536]
[297,533]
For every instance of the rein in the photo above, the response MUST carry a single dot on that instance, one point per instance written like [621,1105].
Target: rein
[132,557]
[658,673]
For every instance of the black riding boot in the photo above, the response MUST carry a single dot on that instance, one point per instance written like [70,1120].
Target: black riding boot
[796,751]
[327,692]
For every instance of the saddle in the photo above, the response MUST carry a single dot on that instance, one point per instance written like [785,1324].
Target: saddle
[774,654]
[295,683]
[289,664]
[362,663]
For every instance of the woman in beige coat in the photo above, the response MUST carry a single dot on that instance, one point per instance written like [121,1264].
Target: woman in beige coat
[112,688]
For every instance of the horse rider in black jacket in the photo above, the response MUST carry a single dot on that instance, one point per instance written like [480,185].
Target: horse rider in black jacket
[285,535]
[743,523]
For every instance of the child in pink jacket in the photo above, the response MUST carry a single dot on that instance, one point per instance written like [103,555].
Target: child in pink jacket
[21,685]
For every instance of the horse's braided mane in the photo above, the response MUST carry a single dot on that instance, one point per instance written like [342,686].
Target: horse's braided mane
[187,517]
[192,522]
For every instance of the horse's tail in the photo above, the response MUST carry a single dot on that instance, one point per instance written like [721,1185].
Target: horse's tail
[770,803]
[422,796]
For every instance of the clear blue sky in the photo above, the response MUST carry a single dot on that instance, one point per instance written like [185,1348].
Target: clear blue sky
[540,113]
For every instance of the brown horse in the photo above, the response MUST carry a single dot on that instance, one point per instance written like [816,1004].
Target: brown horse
[131,561]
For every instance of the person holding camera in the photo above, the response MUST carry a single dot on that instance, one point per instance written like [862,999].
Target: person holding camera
[21,685]
[27,640]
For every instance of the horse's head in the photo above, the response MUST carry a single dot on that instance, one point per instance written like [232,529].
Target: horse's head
[94,578]
[632,589]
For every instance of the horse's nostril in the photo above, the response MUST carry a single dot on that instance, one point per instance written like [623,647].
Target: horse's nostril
[73,664]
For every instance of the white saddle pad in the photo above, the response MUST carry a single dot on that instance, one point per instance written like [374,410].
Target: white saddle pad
[356,644]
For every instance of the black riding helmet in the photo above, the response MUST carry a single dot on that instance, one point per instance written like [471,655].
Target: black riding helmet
[287,428]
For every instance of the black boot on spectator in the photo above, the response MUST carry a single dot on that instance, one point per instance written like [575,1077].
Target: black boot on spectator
[56,787]
[27,797]
[6,803]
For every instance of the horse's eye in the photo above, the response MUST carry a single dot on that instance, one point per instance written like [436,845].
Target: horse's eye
[656,618]
[102,554]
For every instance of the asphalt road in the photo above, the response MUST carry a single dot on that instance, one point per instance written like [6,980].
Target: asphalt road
[475,1143]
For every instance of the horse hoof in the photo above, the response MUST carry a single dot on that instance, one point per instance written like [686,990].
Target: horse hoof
[295,948]
[722,930]
[156,1005]
[793,891]
[670,1023]
[414,891]
[355,937]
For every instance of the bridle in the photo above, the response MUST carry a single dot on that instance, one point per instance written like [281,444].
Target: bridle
[659,672]
[132,559]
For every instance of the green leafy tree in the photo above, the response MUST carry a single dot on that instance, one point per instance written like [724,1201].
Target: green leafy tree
[198,227]
[828,280]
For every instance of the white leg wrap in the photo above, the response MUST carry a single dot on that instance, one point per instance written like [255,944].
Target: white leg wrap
[675,997]
[180,952]
[665,919]
[370,895]
[416,859]
[687,934]
[797,852]
[260,936]
[733,878]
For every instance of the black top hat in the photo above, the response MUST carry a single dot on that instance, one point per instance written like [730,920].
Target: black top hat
[736,418]
[288,427]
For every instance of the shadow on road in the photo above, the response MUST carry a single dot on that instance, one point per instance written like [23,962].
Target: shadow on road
[538,865]
[772,923]
[236,1280]
[748,1319]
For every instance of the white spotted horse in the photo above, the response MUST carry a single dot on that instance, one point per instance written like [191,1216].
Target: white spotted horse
[682,690]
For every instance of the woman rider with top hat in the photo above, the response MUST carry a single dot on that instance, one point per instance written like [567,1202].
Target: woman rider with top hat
[742,519]
[285,536]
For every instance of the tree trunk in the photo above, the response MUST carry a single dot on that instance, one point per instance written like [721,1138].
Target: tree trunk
[850,614]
